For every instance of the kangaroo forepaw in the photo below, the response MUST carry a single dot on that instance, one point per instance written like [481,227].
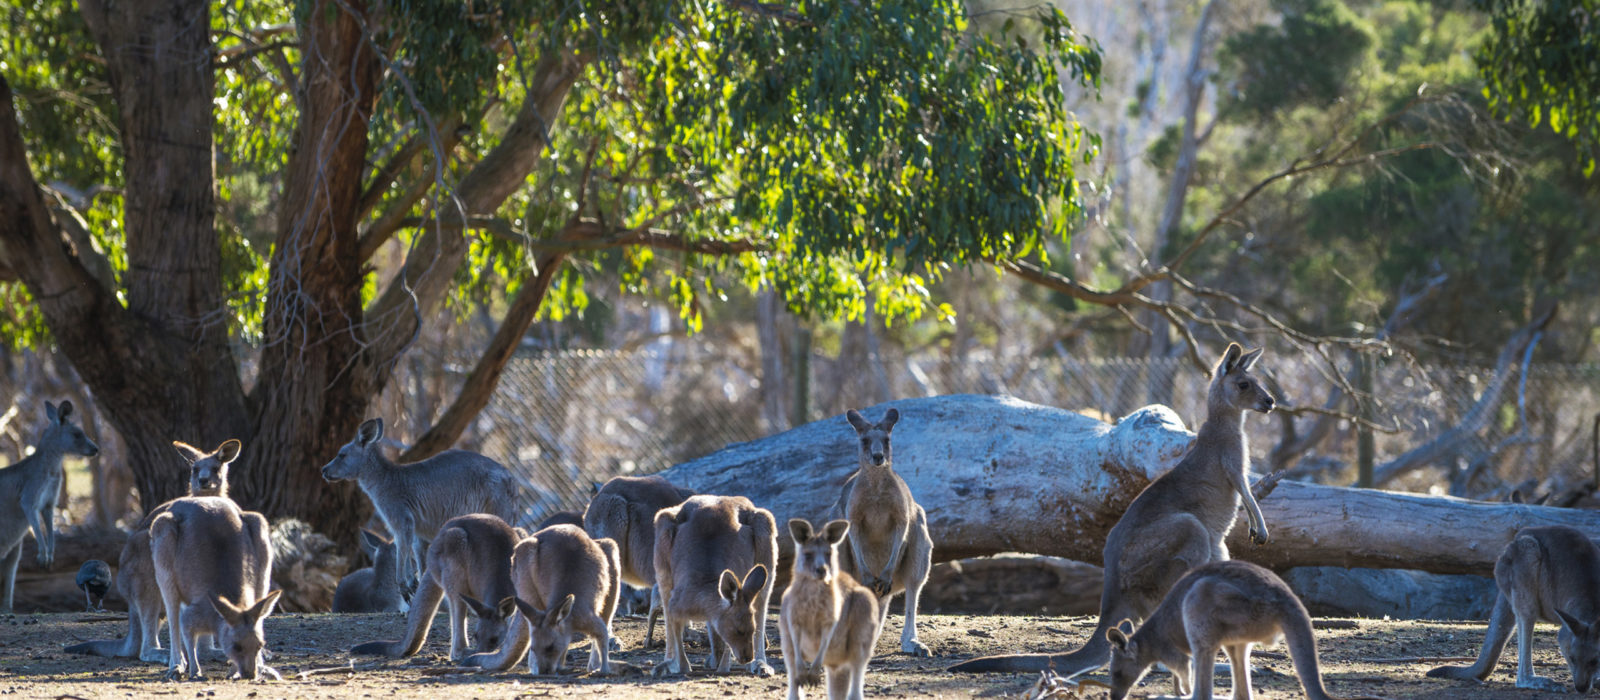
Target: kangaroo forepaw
[761,668]
[880,587]
[1259,536]
[665,669]
[810,674]
[614,644]
[915,647]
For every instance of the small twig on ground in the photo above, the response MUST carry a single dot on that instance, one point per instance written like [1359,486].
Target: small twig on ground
[1421,660]
[1335,624]
[351,667]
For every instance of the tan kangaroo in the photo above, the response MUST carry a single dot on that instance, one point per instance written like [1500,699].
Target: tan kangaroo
[567,584]
[701,546]
[414,500]
[828,621]
[136,572]
[1178,522]
[1227,605]
[624,510]
[212,565]
[468,562]
[28,493]
[1550,574]
[890,548]
[375,588]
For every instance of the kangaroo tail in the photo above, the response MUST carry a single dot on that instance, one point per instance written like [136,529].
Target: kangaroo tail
[423,607]
[1494,642]
[127,647]
[1302,645]
[1093,655]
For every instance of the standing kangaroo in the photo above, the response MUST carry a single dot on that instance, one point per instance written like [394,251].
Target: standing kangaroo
[415,499]
[890,548]
[701,546]
[1550,574]
[212,565]
[1226,605]
[1178,522]
[828,621]
[567,584]
[375,588]
[468,562]
[624,510]
[28,493]
[136,573]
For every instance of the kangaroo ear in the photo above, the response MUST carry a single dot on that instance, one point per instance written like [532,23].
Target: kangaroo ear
[835,530]
[889,419]
[559,613]
[529,613]
[753,582]
[229,451]
[1117,639]
[728,586]
[370,432]
[477,608]
[800,530]
[63,411]
[507,606]
[263,607]
[1230,357]
[232,615]
[370,540]
[190,454]
[1249,359]
[857,421]
[50,412]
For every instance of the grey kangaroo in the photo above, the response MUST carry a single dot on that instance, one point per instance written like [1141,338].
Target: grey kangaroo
[136,573]
[890,548]
[714,561]
[624,510]
[468,562]
[375,588]
[1178,522]
[829,623]
[28,493]
[1227,605]
[1550,574]
[414,500]
[567,585]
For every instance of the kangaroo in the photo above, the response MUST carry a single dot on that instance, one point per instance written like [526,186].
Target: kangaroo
[28,493]
[212,564]
[415,499]
[567,584]
[890,548]
[375,588]
[1226,605]
[468,562]
[624,510]
[827,619]
[701,545]
[1550,574]
[136,574]
[1178,522]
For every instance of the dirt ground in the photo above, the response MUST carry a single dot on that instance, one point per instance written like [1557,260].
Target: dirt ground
[1362,657]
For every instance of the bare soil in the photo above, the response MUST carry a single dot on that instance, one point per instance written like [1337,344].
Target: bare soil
[1360,657]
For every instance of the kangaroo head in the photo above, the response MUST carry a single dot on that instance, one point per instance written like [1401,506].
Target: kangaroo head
[1580,646]
[550,633]
[356,453]
[1128,666]
[874,436]
[816,555]
[62,435]
[735,620]
[1234,387]
[490,629]
[241,633]
[208,472]
[385,556]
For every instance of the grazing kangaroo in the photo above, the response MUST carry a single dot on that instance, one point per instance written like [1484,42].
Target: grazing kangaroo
[28,493]
[414,500]
[468,562]
[1178,522]
[375,588]
[1550,574]
[567,584]
[828,621]
[701,546]
[1226,605]
[890,548]
[624,510]
[212,564]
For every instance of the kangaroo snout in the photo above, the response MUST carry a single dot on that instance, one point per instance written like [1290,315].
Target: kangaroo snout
[877,459]
[1266,405]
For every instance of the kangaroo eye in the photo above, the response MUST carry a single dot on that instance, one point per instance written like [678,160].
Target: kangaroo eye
[1244,385]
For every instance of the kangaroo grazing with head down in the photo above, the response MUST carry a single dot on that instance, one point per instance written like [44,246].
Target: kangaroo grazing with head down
[828,621]
[468,562]
[375,588]
[1178,522]
[1227,605]
[1551,574]
[212,564]
[890,548]
[567,585]
[136,572]
[29,490]
[714,560]
[624,510]
[414,500]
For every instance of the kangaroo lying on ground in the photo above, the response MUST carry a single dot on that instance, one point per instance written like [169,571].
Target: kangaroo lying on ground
[212,564]
[136,572]
[567,584]
[1178,522]
[1550,574]
[701,545]
[375,588]
[624,510]
[414,500]
[468,562]
[1226,605]
[890,548]
[828,621]
[28,493]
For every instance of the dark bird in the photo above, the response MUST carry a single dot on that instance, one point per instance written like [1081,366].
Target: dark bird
[94,577]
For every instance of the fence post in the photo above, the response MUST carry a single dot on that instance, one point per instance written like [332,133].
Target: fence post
[802,375]
[1365,367]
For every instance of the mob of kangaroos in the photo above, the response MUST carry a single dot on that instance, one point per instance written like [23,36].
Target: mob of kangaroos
[29,490]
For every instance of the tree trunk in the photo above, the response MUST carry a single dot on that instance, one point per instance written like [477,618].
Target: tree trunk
[998,474]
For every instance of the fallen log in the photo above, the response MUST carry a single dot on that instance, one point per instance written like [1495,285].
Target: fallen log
[997,474]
